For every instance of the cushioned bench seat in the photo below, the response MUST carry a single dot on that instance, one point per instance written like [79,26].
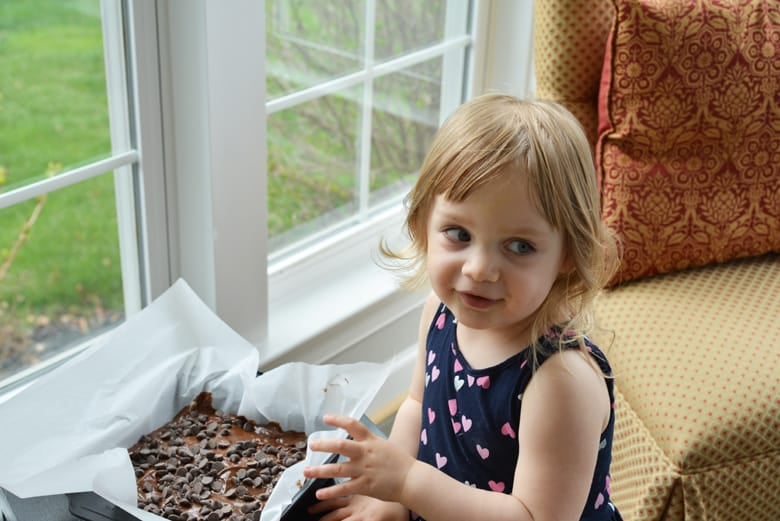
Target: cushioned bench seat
[697,369]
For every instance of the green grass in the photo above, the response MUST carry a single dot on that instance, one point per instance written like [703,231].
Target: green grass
[53,116]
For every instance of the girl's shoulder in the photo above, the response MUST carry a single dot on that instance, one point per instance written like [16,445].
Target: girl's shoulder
[574,377]
[431,307]
[557,340]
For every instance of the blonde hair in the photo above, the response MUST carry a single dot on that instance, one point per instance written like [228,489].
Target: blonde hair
[484,139]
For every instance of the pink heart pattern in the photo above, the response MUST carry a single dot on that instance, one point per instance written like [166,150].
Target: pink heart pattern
[440,321]
[496,486]
[507,430]
[482,451]
[461,400]
[440,460]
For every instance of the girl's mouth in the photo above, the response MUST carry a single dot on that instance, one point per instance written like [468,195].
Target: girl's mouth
[475,301]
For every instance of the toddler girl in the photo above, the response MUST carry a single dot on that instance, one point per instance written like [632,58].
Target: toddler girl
[510,412]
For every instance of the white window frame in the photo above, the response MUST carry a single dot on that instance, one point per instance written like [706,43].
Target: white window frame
[199,122]
[329,305]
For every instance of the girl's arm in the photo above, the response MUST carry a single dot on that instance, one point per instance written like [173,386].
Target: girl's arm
[565,408]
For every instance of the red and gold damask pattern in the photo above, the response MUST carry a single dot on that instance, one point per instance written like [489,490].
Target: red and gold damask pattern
[689,125]
[698,405]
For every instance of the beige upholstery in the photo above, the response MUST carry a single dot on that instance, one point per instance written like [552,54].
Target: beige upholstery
[696,353]
[697,367]
[569,54]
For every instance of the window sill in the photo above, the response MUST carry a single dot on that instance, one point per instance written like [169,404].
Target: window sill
[323,324]
[350,310]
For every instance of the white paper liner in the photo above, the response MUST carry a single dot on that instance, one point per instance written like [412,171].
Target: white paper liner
[70,430]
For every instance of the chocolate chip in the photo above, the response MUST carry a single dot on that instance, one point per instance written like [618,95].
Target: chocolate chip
[193,457]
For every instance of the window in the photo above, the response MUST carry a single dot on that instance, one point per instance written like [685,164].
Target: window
[68,256]
[354,94]
[264,183]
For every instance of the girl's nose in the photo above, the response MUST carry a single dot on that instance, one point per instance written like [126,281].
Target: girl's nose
[481,266]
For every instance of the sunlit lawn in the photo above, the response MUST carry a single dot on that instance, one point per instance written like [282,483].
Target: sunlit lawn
[53,116]
[59,253]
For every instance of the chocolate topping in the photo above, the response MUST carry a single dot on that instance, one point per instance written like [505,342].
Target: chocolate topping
[209,465]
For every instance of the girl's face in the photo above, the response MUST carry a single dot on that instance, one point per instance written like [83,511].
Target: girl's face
[492,258]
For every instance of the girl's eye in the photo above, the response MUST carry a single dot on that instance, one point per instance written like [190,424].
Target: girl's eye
[458,234]
[521,247]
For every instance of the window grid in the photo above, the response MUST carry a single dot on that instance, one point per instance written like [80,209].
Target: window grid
[67,178]
[363,174]
[129,170]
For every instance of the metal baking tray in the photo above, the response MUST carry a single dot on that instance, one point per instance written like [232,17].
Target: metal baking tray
[305,497]
[88,506]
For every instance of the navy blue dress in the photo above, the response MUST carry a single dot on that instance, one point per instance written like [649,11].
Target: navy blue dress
[470,416]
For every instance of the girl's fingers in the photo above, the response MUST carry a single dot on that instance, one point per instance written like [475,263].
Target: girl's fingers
[347,448]
[328,505]
[334,491]
[340,469]
[355,429]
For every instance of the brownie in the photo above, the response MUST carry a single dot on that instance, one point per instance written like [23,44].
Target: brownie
[206,464]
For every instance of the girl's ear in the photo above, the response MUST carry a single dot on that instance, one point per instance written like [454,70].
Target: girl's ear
[567,265]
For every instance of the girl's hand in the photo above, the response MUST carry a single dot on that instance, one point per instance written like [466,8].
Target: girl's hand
[375,466]
[359,508]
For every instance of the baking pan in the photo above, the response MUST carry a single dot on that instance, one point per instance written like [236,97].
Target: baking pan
[39,508]
[88,506]
[91,507]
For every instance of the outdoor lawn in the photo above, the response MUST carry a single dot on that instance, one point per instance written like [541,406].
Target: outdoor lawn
[60,275]
[59,264]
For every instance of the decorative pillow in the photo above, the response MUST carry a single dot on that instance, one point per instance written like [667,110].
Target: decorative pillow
[689,132]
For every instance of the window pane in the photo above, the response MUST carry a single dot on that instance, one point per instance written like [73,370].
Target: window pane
[405,117]
[333,160]
[310,41]
[408,25]
[312,160]
[60,278]
[53,107]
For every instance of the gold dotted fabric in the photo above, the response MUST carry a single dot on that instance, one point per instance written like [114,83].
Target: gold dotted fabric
[569,43]
[696,356]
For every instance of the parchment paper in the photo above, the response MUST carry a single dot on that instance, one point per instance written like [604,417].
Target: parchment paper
[70,430]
